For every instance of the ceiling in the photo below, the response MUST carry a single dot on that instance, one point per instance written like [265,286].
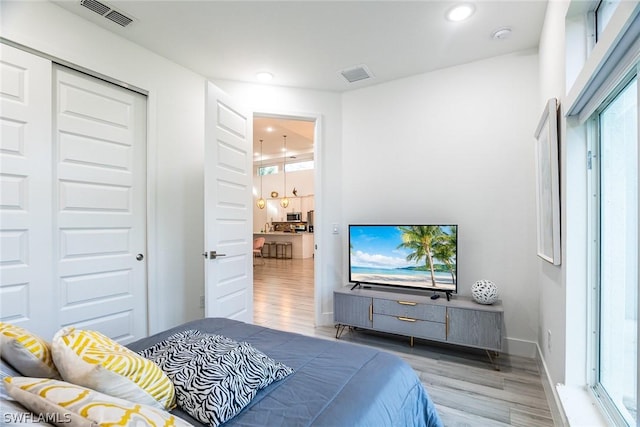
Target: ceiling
[299,139]
[306,44]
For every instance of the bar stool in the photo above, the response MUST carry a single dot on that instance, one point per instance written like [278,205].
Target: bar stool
[265,250]
[288,250]
[272,249]
[284,250]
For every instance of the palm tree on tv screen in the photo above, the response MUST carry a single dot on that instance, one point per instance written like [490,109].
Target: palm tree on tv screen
[445,250]
[422,239]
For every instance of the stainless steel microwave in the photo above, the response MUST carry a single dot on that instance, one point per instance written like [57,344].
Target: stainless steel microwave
[294,216]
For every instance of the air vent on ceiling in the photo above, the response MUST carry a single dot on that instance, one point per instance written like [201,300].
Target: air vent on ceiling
[107,12]
[118,18]
[357,73]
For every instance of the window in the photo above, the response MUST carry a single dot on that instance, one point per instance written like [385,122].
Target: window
[603,14]
[267,170]
[299,166]
[616,253]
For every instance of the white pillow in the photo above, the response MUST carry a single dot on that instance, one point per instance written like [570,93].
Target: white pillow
[26,352]
[91,359]
[62,403]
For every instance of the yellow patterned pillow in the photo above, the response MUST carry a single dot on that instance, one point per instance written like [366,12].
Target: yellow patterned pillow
[27,353]
[93,360]
[62,403]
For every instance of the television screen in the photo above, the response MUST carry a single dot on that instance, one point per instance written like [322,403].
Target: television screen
[409,256]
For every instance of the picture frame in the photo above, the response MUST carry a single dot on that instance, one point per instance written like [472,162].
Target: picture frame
[548,184]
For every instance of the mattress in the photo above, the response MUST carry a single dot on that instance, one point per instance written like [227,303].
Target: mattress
[333,383]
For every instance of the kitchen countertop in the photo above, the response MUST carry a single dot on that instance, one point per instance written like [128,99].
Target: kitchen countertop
[301,242]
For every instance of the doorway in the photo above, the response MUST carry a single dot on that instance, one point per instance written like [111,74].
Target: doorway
[285,167]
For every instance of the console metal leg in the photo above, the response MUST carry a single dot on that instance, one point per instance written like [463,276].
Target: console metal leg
[339,330]
[495,363]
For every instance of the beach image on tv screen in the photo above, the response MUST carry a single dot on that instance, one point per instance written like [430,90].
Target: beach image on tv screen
[416,256]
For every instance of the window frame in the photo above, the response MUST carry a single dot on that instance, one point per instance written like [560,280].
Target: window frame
[609,9]
[594,259]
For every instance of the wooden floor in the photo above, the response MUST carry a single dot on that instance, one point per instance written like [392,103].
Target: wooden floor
[465,387]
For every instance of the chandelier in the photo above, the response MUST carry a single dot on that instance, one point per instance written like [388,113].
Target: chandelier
[261,202]
[284,202]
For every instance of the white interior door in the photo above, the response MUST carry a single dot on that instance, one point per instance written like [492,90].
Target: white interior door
[26,280]
[100,205]
[228,208]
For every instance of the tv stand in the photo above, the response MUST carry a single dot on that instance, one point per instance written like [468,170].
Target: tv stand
[459,321]
[356,285]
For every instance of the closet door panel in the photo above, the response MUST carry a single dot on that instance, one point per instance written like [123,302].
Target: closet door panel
[26,268]
[100,205]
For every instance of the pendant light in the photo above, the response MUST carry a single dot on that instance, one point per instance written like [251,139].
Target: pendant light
[284,202]
[261,202]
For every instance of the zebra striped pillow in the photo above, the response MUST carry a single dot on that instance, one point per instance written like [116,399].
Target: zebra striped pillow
[27,353]
[91,359]
[215,377]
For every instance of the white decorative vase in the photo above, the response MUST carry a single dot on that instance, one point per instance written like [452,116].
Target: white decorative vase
[484,292]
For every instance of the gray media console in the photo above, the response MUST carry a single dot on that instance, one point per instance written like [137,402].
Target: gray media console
[460,321]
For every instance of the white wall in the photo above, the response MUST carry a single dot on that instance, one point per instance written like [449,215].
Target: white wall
[450,146]
[549,278]
[455,146]
[175,144]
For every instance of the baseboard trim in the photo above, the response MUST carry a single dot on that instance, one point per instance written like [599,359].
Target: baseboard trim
[555,404]
[518,347]
[325,319]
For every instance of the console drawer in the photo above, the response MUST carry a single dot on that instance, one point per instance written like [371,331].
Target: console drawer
[434,313]
[410,327]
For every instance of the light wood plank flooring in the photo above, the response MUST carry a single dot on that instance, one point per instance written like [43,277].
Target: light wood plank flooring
[465,387]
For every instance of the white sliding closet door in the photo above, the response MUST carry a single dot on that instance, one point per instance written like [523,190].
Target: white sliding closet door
[72,201]
[26,272]
[100,205]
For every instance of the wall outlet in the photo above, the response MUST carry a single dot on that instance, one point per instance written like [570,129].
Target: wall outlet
[549,339]
[201,301]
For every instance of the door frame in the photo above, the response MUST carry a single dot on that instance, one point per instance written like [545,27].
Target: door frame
[317,196]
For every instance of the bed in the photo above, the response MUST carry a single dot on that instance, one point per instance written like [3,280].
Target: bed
[328,383]
[333,383]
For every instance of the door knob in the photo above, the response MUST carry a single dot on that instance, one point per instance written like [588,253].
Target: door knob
[139,257]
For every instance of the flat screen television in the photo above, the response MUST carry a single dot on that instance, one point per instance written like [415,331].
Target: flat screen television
[420,257]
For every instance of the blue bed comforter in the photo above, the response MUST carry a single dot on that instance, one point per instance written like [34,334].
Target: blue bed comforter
[333,384]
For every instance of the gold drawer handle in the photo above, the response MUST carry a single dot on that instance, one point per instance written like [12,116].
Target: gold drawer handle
[407,303]
[406,319]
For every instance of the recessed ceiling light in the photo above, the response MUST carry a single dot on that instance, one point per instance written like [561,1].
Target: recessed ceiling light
[460,12]
[264,76]
[501,33]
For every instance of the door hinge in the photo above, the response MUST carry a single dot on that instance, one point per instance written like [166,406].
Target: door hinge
[589,161]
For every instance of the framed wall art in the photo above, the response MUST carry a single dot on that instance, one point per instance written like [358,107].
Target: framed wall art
[548,184]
